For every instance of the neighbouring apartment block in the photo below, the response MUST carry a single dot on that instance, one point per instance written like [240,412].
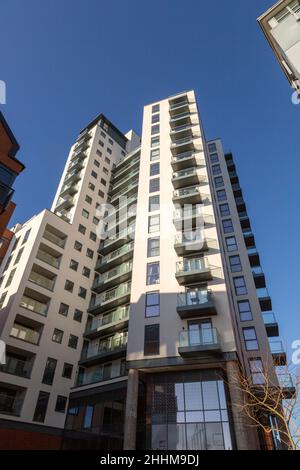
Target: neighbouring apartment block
[281,26]
[10,168]
[135,341]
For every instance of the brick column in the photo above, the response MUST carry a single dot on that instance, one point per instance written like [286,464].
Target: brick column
[131,410]
[246,436]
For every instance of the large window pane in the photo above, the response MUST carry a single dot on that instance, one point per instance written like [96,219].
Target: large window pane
[214,436]
[210,395]
[193,396]
[195,434]
[176,437]
[159,437]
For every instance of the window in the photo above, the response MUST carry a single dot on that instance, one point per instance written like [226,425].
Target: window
[154,155]
[10,277]
[77,315]
[152,307]
[88,417]
[67,371]
[111,142]
[153,203]
[212,147]
[105,170]
[7,264]
[91,186]
[214,158]
[154,185]
[61,403]
[69,286]
[224,210]
[154,169]
[155,141]
[89,253]
[86,272]
[216,169]
[82,229]
[103,135]
[73,341]
[221,195]
[94,174]
[235,264]
[257,371]
[219,182]
[26,236]
[57,336]
[152,273]
[231,244]
[49,371]
[41,407]
[2,299]
[153,223]
[74,265]
[103,181]
[19,256]
[15,244]
[82,292]
[63,309]
[240,286]
[88,199]
[155,129]
[245,310]
[85,213]
[109,150]
[227,226]
[153,247]
[96,220]
[96,163]
[155,118]
[101,143]
[93,236]
[100,193]
[250,339]
[151,340]
[98,152]
[155,108]
[107,160]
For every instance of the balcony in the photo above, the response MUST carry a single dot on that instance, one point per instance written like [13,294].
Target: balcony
[112,277]
[286,383]
[123,209]
[108,323]
[193,270]
[114,258]
[264,299]
[178,108]
[183,131]
[253,257]
[69,189]
[189,218]
[48,256]
[199,342]
[245,221]
[16,366]
[259,277]
[127,191]
[34,305]
[24,333]
[119,174]
[185,244]
[270,324]
[107,349]
[122,183]
[194,303]
[113,243]
[185,144]
[6,194]
[54,238]
[278,353]
[111,298]
[10,404]
[188,177]
[249,238]
[65,215]
[72,177]
[76,163]
[42,281]
[97,374]
[65,203]
[190,195]
[187,160]
[124,218]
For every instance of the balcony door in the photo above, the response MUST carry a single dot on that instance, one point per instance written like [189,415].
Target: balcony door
[196,294]
[200,332]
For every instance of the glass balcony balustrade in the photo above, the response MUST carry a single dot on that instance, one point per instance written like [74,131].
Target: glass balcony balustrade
[34,305]
[105,346]
[47,258]
[111,295]
[199,339]
[115,254]
[42,281]
[194,298]
[119,315]
[10,405]
[16,366]
[51,237]
[112,274]
[25,334]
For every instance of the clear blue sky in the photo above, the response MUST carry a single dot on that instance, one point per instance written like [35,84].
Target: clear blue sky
[64,61]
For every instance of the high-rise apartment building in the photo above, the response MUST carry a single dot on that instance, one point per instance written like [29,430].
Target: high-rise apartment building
[136,341]
[281,26]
